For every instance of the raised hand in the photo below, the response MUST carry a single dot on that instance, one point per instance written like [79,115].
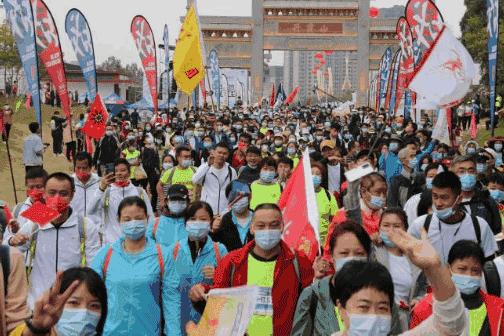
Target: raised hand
[49,306]
[420,252]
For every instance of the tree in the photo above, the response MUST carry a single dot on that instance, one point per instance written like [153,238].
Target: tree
[9,58]
[112,63]
[475,37]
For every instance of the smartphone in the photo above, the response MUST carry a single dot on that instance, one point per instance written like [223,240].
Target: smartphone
[109,168]
[359,172]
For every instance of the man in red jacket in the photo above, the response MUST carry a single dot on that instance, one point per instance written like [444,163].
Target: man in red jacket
[486,316]
[266,262]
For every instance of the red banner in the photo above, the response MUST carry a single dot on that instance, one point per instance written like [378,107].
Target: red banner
[146,45]
[426,24]
[50,52]
[407,61]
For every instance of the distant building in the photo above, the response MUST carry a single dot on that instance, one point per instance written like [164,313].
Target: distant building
[108,82]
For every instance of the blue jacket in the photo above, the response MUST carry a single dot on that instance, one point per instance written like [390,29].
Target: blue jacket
[169,231]
[191,274]
[133,291]
[390,164]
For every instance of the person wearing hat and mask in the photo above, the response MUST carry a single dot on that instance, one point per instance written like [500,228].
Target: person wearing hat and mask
[107,150]
[169,227]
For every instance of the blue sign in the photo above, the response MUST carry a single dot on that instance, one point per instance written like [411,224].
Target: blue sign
[384,76]
[395,75]
[78,32]
[215,75]
[20,17]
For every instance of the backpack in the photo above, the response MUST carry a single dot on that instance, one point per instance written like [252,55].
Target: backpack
[176,250]
[161,274]
[82,247]
[5,260]
[492,278]
[474,220]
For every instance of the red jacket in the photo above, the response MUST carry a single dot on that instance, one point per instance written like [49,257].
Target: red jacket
[286,287]
[494,306]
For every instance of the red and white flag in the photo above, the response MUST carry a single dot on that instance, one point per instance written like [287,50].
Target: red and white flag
[446,75]
[96,120]
[474,127]
[300,211]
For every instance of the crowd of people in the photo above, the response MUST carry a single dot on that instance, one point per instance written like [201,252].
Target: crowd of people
[169,208]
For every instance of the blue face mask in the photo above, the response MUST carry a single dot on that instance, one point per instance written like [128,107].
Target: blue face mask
[134,229]
[376,202]
[340,262]
[207,145]
[393,147]
[386,240]
[437,156]
[468,181]
[317,180]
[428,183]
[240,205]
[471,150]
[369,325]
[186,163]
[498,147]
[466,284]
[481,168]
[77,322]
[267,176]
[197,230]
[413,163]
[497,195]
[267,239]
[177,207]
[424,166]
[291,150]
[443,214]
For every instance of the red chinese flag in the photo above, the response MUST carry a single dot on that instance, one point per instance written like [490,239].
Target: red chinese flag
[272,98]
[96,120]
[292,96]
[474,127]
[300,211]
[40,213]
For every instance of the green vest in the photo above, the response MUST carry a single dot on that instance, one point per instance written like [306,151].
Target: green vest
[264,193]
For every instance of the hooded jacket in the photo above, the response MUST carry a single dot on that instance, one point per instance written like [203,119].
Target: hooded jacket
[83,196]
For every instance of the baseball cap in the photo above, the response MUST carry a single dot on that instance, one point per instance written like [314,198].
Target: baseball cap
[327,143]
[178,191]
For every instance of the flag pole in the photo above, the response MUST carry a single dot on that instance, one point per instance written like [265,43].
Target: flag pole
[11,169]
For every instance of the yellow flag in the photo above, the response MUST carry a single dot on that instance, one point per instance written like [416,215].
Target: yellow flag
[188,68]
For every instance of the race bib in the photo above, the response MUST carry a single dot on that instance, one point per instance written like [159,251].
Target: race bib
[264,303]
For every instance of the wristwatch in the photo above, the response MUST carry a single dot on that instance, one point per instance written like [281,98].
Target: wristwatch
[35,330]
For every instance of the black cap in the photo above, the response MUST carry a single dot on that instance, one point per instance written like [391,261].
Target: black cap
[178,191]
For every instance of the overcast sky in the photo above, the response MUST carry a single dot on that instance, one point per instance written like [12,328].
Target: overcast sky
[110,20]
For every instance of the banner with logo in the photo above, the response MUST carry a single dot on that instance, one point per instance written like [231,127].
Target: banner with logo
[393,87]
[426,24]
[166,41]
[50,54]
[146,46]
[384,76]
[493,37]
[20,17]
[406,63]
[213,60]
[77,29]
[446,74]
[188,65]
